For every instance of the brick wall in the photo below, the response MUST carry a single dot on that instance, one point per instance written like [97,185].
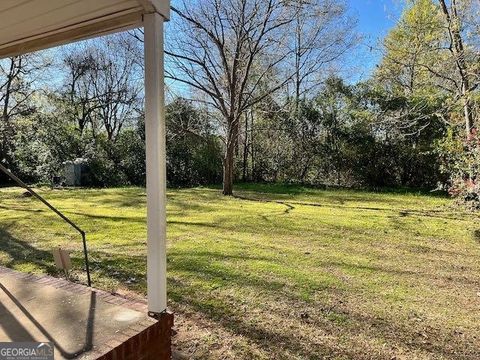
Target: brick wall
[152,343]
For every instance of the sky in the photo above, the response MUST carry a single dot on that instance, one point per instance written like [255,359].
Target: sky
[375,19]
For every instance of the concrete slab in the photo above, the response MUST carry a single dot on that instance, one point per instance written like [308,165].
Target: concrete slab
[82,323]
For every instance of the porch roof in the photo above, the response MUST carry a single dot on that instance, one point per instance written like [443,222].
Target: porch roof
[30,25]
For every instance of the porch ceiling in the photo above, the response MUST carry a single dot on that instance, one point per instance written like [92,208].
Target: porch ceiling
[30,25]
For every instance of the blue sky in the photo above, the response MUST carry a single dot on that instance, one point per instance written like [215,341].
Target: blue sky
[375,19]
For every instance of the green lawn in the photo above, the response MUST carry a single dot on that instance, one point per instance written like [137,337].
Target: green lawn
[279,272]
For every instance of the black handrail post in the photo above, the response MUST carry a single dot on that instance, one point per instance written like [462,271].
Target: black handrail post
[51,207]
[87,262]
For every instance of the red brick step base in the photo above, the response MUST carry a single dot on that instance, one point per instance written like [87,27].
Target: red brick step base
[153,343]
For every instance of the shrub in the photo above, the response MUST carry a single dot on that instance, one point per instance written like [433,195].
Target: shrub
[461,160]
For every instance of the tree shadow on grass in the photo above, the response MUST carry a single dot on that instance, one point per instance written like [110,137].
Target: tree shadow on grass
[22,209]
[428,276]
[123,268]
[22,253]
[128,270]
[288,336]
[438,214]
[138,219]
[278,341]
[476,235]
[201,265]
[213,269]
[193,285]
[293,189]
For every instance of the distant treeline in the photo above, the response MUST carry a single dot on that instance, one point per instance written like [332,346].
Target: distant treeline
[258,103]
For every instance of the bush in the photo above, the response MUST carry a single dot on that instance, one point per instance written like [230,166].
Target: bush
[129,151]
[461,161]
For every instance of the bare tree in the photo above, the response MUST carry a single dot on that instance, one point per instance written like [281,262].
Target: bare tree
[78,92]
[459,56]
[103,85]
[230,50]
[17,75]
[323,33]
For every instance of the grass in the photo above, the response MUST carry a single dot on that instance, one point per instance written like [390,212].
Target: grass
[278,272]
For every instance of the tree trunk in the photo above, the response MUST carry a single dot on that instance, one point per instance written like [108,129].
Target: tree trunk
[252,147]
[245,150]
[7,135]
[458,50]
[229,158]
[228,164]
[467,111]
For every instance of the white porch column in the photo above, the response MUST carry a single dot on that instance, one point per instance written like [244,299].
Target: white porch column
[156,164]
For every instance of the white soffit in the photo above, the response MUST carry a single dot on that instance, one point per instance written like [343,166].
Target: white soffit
[30,25]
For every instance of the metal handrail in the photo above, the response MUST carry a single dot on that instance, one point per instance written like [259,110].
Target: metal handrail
[51,207]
